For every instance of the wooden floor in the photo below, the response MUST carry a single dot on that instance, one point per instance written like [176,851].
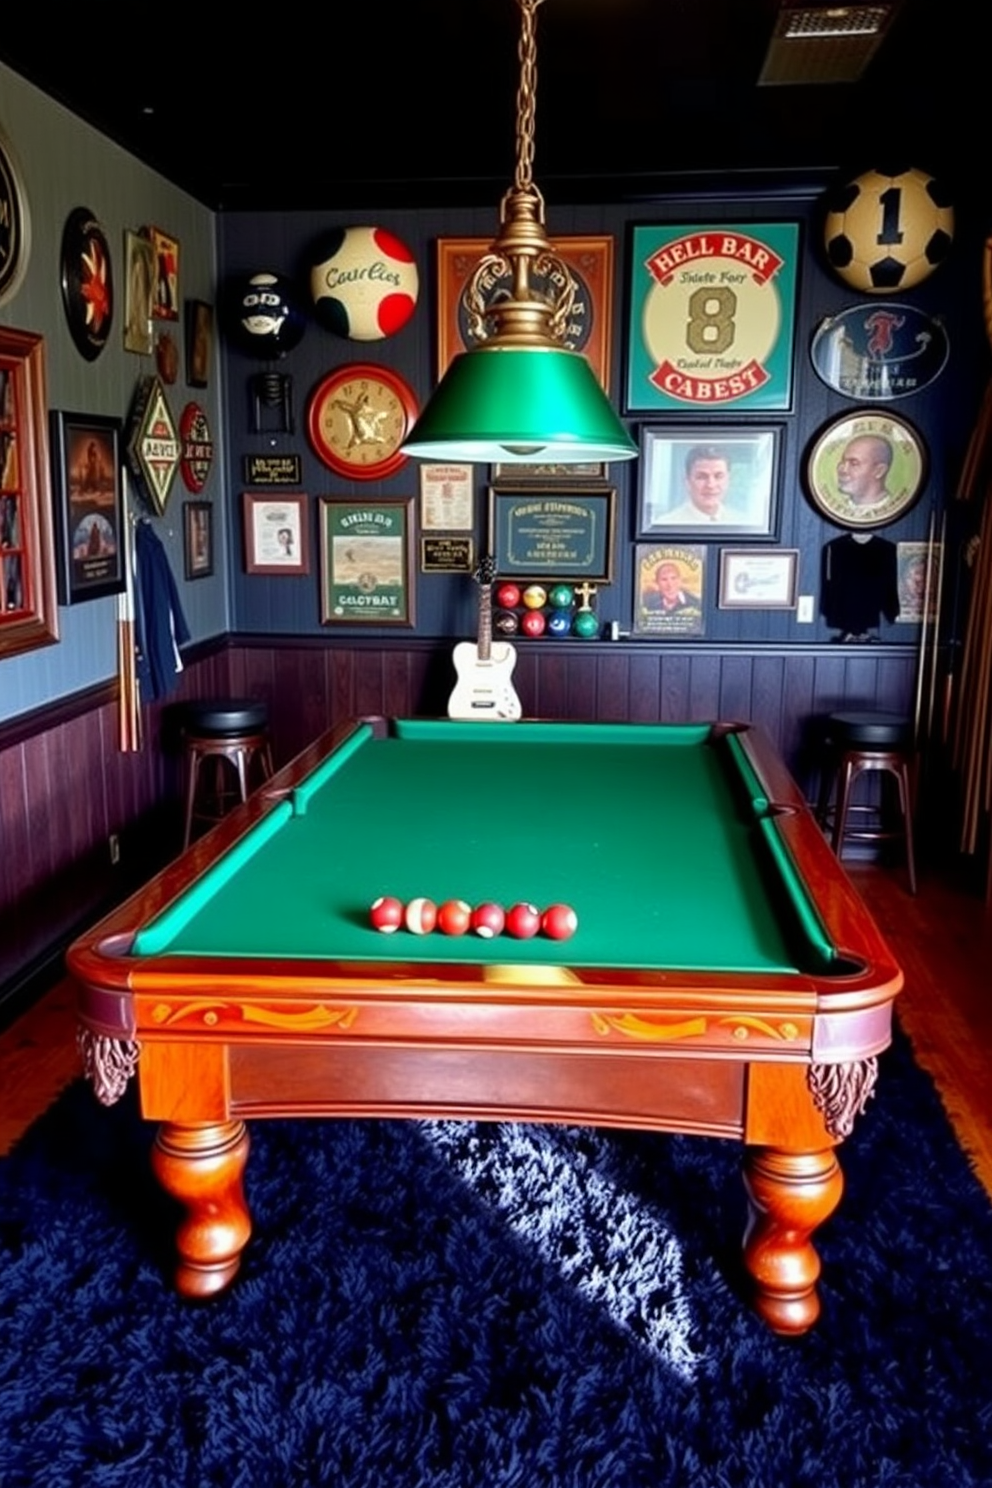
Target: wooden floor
[942,938]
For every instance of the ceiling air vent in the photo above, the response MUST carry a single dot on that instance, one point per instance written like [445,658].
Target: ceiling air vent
[824,43]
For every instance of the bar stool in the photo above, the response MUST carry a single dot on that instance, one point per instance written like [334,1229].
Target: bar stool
[858,744]
[230,736]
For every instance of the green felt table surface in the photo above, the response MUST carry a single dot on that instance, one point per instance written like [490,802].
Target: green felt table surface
[658,837]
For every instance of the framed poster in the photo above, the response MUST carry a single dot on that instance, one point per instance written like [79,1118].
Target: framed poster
[564,533]
[139,293]
[28,612]
[751,580]
[165,302]
[446,498]
[717,479]
[866,469]
[668,589]
[589,330]
[89,506]
[198,539]
[199,342]
[712,317]
[918,566]
[366,561]
[276,538]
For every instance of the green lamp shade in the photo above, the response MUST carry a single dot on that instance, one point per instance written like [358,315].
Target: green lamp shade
[503,404]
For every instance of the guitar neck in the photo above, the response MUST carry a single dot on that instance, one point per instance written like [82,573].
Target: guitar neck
[485,638]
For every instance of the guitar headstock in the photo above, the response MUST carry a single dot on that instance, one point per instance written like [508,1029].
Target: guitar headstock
[486,570]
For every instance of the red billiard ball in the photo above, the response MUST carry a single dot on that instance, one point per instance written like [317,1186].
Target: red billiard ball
[421,916]
[523,921]
[386,914]
[508,596]
[532,624]
[559,921]
[488,920]
[454,917]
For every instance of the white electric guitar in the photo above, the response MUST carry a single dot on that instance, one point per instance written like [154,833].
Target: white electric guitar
[484,688]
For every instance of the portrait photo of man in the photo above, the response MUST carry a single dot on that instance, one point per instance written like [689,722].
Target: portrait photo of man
[724,483]
[866,470]
[669,597]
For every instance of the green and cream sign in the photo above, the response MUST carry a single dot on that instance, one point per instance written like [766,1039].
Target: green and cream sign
[712,313]
[366,562]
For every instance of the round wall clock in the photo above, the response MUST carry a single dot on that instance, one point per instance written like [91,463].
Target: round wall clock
[87,282]
[357,419]
[15,225]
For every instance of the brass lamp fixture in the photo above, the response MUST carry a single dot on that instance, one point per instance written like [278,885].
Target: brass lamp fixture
[520,395]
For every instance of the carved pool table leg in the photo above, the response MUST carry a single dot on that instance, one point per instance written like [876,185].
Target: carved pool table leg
[790,1194]
[202,1167]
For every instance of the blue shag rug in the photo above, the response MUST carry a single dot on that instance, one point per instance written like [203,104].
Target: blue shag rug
[452,1305]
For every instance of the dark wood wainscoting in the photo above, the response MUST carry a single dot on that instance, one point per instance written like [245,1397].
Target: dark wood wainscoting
[65,788]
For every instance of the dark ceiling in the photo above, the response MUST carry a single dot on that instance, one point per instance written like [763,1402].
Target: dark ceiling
[383,102]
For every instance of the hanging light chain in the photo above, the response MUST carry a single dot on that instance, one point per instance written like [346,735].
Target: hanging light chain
[526,94]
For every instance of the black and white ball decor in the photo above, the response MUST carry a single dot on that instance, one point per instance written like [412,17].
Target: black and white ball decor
[264,317]
[888,230]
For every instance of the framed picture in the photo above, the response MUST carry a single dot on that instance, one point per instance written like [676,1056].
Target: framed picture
[712,317]
[752,580]
[565,533]
[139,293]
[89,506]
[866,469]
[447,555]
[719,480]
[28,609]
[165,304]
[276,537]
[590,262]
[541,475]
[447,498]
[668,589]
[366,557]
[918,566]
[199,342]
[198,539]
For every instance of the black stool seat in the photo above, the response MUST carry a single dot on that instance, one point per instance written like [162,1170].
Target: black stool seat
[232,733]
[242,716]
[856,744]
[870,730]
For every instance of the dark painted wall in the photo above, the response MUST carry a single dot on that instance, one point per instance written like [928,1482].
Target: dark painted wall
[943,414]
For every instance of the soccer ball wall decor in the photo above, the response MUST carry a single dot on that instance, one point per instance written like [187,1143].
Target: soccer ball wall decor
[364,283]
[888,230]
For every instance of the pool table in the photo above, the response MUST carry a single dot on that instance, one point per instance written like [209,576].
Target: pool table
[725,978]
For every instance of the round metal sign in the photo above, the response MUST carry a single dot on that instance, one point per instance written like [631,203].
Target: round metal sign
[876,353]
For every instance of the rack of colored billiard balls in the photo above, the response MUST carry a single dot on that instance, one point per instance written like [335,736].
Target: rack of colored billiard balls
[455,917]
[536,611]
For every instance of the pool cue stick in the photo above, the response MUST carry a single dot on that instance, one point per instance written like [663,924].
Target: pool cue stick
[129,709]
[935,636]
[922,652]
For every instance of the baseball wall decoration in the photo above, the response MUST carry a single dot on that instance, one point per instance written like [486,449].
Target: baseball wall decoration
[364,283]
[888,230]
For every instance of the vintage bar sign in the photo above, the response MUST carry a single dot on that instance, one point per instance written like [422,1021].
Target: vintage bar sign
[153,449]
[447,555]
[197,447]
[273,470]
[876,353]
[712,317]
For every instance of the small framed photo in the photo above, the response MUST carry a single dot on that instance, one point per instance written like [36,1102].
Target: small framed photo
[669,584]
[751,580]
[446,503]
[199,342]
[366,562]
[276,538]
[709,480]
[139,293]
[866,469]
[198,539]
[918,566]
[558,533]
[165,305]
[89,506]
